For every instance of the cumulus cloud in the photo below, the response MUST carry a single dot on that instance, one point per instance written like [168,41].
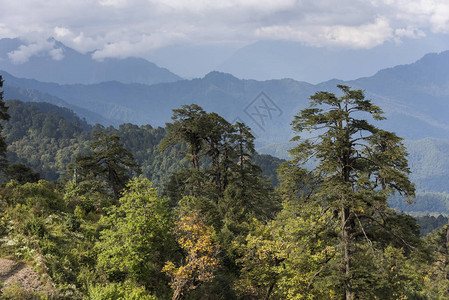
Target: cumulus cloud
[363,36]
[409,32]
[62,32]
[143,44]
[120,28]
[56,53]
[5,32]
[79,41]
[24,52]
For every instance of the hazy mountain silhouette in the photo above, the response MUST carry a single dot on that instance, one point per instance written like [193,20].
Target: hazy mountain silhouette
[73,67]
[415,98]
[287,59]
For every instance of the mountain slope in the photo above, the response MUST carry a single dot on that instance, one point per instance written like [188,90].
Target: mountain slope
[70,66]
[286,59]
[48,138]
[33,95]
[143,104]
[415,98]
[428,162]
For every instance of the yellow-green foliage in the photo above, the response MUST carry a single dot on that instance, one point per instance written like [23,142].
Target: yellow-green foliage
[118,291]
[200,261]
[136,239]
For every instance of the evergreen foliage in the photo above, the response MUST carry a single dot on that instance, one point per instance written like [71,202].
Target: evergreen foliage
[49,152]
[211,226]
[358,166]
[20,173]
[109,162]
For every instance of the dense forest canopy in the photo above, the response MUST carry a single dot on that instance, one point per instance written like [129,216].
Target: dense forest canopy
[48,138]
[191,211]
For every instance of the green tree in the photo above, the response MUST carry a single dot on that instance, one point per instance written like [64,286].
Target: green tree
[109,161]
[222,167]
[119,291]
[21,173]
[225,185]
[357,167]
[435,272]
[248,194]
[137,238]
[187,127]
[3,116]
[284,258]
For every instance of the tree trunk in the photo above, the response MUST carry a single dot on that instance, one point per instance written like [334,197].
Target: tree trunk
[195,161]
[177,294]
[347,251]
[113,183]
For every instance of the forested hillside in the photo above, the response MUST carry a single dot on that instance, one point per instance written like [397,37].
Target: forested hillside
[185,211]
[48,138]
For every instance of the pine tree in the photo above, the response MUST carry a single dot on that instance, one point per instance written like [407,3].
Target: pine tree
[222,167]
[109,161]
[357,166]
[188,127]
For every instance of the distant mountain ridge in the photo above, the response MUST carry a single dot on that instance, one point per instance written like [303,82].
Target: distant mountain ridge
[288,59]
[33,95]
[144,104]
[415,98]
[72,67]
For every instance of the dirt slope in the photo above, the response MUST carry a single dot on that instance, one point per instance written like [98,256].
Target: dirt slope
[13,272]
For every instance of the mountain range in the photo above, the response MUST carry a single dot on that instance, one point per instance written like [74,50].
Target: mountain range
[275,59]
[55,62]
[415,98]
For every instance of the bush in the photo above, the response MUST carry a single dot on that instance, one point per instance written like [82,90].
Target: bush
[72,223]
[35,227]
[119,291]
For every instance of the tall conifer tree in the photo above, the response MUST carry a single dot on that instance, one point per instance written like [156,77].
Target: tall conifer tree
[109,161]
[357,166]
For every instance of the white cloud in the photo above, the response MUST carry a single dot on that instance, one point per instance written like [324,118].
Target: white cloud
[25,52]
[363,36]
[409,32]
[440,18]
[114,3]
[5,32]
[120,28]
[77,41]
[61,32]
[56,53]
[144,44]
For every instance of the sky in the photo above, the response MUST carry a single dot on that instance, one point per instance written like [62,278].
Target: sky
[123,28]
